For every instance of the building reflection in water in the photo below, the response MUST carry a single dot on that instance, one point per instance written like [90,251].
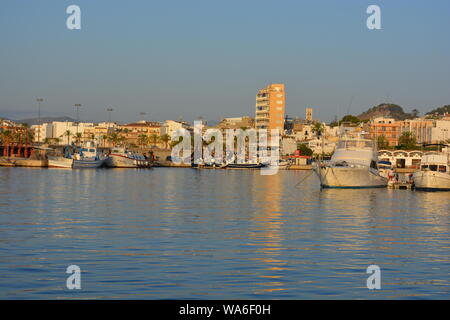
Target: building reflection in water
[266,235]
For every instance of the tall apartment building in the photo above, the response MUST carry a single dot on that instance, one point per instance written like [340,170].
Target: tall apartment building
[270,104]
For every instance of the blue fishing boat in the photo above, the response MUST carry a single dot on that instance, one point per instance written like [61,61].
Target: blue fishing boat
[87,157]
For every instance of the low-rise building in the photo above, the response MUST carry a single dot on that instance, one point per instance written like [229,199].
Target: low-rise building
[387,127]
[134,133]
[236,123]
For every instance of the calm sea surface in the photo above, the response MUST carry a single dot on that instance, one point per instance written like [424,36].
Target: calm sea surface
[216,234]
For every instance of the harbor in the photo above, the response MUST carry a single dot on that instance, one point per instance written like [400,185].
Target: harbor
[224,159]
[171,233]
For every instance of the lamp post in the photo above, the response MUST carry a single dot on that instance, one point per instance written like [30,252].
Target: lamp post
[39,100]
[78,106]
[110,110]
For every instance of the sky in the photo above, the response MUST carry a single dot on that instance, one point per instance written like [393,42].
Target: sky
[185,59]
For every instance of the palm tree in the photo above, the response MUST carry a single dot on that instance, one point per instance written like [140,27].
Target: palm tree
[142,140]
[78,137]
[115,138]
[165,138]
[7,138]
[104,138]
[67,134]
[154,138]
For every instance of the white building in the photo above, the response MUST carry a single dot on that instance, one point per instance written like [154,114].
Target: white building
[440,130]
[42,132]
[170,126]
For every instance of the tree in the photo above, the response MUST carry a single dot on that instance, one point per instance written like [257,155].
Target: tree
[407,140]
[165,138]
[175,142]
[114,138]
[7,138]
[67,134]
[142,140]
[382,142]
[350,118]
[154,138]
[304,149]
[78,137]
[318,129]
[104,139]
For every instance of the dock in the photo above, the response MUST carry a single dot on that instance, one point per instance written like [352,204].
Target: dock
[400,186]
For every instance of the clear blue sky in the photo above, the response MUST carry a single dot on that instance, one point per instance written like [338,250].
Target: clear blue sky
[208,58]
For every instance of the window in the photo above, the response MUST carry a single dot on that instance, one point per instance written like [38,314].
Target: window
[442,169]
[433,167]
[424,167]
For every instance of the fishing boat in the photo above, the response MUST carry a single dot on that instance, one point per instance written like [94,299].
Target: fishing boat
[87,157]
[434,174]
[123,158]
[58,160]
[353,165]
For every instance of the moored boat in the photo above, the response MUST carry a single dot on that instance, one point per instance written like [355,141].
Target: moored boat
[87,157]
[245,165]
[434,174]
[59,162]
[353,165]
[122,158]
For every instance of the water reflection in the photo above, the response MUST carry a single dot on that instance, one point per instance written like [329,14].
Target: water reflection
[266,235]
[181,233]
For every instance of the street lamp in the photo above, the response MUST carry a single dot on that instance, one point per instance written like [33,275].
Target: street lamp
[77,105]
[110,110]
[39,100]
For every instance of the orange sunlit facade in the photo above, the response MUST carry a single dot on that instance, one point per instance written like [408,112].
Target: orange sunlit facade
[389,128]
[270,106]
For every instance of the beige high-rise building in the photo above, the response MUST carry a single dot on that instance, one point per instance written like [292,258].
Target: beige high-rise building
[270,104]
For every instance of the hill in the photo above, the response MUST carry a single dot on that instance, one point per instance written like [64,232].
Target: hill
[439,111]
[388,111]
[33,121]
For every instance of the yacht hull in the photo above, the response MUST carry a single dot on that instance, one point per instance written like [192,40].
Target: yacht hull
[344,177]
[431,181]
